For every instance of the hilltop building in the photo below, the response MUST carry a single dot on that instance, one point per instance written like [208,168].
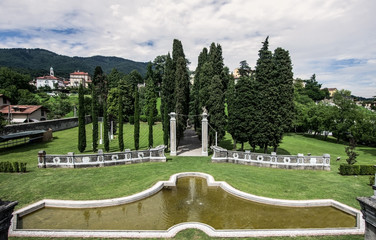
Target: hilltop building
[76,78]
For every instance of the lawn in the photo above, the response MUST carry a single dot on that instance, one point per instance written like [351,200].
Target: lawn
[118,181]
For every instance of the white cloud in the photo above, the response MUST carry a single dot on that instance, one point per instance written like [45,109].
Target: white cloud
[316,32]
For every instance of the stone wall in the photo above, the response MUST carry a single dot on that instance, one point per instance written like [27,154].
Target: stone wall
[101,159]
[272,160]
[55,125]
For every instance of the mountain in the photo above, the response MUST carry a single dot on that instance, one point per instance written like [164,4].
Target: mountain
[37,62]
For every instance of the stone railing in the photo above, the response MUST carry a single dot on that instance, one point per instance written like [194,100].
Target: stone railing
[101,159]
[271,160]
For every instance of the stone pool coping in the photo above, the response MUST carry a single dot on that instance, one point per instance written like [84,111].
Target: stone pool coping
[171,232]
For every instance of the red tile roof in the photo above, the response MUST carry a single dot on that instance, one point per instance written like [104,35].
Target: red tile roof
[22,109]
[48,78]
[79,73]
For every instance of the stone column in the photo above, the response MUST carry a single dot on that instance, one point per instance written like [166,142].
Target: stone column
[173,134]
[204,134]
[368,208]
[42,159]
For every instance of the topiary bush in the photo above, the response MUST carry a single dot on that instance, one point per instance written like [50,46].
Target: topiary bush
[346,169]
[12,167]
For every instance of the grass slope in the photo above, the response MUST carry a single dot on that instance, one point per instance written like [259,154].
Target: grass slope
[122,180]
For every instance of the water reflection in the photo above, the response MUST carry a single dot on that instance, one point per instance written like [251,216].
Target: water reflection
[190,201]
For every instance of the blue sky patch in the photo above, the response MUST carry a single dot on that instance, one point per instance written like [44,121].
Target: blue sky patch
[149,43]
[345,63]
[5,34]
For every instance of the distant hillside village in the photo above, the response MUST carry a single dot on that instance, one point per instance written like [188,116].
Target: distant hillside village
[53,82]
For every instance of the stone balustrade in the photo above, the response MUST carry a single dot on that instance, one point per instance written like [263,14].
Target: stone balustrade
[101,159]
[272,160]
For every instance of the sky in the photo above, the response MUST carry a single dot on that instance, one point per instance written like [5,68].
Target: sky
[335,39]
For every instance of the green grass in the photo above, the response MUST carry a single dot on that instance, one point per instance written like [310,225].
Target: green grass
[123,180]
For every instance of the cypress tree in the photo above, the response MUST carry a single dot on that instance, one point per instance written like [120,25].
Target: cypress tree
[81,120]
[284,106]
[167,99]
[195,96]
[136,120]
[94,117]
[151,105]
[216,106]
[181,96]
[266,89]
[231,109]
[106,139]
[120,120]
[206,74]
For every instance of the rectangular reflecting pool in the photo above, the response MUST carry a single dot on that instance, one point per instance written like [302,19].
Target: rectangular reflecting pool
[192,200]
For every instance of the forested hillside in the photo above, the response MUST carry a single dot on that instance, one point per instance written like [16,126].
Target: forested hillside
[37,62]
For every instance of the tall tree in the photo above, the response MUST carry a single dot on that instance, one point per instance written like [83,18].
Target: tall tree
[94,117]
[120,118]
[106,139]
[216,109]
[81,120]
[151,103]
[283,107]
[136,120]
[267,89]
[231,109]
[167,99]
[195,93]
[181,96]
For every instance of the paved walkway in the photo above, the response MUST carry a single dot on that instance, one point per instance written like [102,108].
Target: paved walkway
[189,145]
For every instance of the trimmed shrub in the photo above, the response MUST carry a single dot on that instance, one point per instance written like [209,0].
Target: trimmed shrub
[12,167]
[16,167]
[346,169]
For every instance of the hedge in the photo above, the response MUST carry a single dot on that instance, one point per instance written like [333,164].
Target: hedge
[12,167]
[346,169]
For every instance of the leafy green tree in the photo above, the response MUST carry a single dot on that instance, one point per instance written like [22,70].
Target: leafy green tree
[135,78]
[216,59]
[94,117]
[136,120]
[81,121]
[106,140]
[27,98]
[313,89]
[345,113]
[206,74]
[159,65]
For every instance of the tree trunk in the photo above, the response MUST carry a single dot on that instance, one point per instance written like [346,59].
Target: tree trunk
[242,146]
[275,148]
[266,148]
[234,146]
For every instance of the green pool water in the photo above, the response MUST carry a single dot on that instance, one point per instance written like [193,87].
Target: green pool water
[190,201]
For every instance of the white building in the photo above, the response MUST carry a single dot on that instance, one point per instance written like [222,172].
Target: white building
[50,81]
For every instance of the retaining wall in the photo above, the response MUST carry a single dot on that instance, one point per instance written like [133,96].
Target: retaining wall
[55,125]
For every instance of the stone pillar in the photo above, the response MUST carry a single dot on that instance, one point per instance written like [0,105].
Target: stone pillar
[42,159]
[6,210]
[368,208]
[173,134]
[204,134]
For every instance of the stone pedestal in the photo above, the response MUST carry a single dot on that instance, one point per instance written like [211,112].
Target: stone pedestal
[368,205]
[204,134]
[6,210]
[172,134]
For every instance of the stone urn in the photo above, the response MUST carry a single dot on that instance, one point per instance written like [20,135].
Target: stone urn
[6,210]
